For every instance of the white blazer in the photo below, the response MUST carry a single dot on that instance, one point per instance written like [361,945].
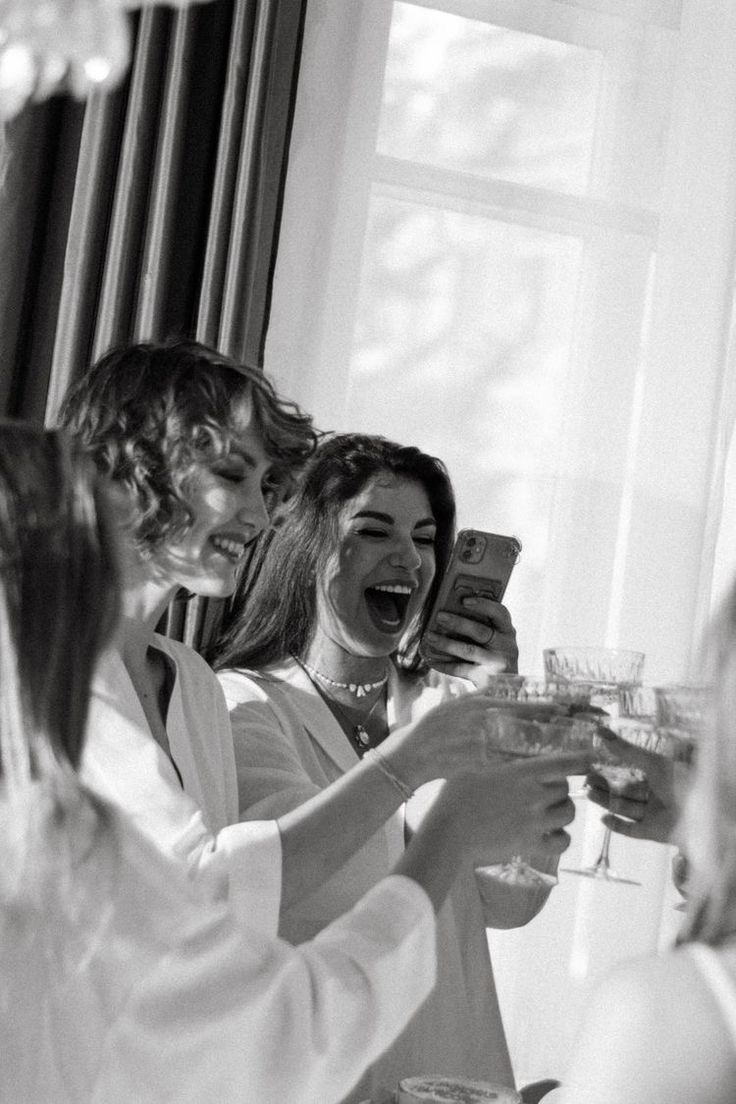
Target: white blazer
[289,747]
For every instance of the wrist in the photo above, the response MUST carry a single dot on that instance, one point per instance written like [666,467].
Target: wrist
[384,764]
[405,759]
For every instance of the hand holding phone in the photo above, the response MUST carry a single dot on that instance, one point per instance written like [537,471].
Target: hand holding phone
[465,608]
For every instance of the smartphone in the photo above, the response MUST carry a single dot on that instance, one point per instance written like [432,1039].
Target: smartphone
[480,565]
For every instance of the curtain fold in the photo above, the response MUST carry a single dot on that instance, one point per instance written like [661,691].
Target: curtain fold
[151,211]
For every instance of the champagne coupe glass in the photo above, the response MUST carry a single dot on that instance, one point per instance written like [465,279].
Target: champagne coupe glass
[528,717]
[605,671]
[678,720]
[682,711]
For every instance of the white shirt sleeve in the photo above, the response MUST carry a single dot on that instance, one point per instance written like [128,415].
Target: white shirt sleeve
[123,764]
[234,1016]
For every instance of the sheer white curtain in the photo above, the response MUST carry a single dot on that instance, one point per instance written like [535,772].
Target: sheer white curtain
[508,238]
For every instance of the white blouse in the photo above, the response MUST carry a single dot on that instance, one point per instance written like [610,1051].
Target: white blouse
[124,764]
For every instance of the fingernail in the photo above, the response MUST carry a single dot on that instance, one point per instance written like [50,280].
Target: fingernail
[470,601]
[443,618]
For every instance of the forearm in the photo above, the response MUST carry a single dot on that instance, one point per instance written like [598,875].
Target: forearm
[322,834]
[433,855]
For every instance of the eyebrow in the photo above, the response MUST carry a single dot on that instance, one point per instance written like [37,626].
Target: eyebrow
[388,520]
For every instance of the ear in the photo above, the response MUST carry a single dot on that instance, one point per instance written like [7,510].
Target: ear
[123,504]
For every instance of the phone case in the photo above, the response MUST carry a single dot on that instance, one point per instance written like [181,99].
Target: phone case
[481,564]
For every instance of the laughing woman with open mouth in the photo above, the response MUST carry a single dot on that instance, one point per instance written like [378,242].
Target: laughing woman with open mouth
[320,668]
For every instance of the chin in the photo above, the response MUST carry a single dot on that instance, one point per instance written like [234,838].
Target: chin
[375,648]
[212,587]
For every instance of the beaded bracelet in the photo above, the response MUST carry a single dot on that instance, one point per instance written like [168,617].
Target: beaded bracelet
[375,756]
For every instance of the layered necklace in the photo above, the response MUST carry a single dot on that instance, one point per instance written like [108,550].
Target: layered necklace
[357,732]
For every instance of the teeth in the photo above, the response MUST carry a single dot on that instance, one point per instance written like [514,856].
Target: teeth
[230,547]
[393,588]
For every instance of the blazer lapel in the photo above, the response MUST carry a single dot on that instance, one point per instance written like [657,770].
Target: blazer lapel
[315,717]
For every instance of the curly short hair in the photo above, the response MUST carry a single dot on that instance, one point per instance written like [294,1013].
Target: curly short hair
[147,413]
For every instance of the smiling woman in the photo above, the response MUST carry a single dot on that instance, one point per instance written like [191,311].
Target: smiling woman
[379,574]
[195,445]
[320,667]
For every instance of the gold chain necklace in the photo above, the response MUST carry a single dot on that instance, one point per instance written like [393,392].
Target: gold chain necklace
[358,733]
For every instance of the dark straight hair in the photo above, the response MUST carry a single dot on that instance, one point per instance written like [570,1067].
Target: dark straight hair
[273,613]
[59,590]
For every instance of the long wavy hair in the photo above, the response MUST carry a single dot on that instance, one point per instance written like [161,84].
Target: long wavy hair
[58,608]
[708,823]
[274,610]
[147,413]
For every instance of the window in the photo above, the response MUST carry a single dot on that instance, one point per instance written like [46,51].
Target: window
[508,238]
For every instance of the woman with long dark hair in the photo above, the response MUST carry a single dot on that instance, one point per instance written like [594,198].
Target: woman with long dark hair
[322,673]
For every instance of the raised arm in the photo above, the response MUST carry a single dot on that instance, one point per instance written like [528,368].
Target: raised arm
[323,826]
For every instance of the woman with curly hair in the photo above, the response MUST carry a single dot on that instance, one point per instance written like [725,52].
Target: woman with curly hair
[194,445]
[117,982]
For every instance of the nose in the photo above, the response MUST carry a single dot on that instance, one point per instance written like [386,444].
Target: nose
[252,510]
[405,554]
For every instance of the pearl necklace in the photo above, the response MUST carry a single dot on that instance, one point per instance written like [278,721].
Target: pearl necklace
[360,689]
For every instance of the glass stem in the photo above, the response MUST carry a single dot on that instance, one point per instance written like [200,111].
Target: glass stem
[603,861]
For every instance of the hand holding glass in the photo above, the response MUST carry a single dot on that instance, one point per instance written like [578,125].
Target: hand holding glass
[605,671]
[527,718]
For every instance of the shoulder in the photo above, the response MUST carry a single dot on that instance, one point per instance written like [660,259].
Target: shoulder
[648,998]
[244,685]
[651,1032]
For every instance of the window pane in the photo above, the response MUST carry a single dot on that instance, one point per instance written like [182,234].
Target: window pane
[463,346]
[466,95]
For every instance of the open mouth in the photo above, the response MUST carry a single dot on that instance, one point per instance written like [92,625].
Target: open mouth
[229,547]
[387,605]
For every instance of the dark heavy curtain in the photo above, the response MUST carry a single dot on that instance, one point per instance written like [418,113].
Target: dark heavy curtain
[151,211]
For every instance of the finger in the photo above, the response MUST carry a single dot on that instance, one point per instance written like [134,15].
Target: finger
[563,764]
[620,806]
[454,624]
[556,842]
[462,650]
[490,611]
[553,794]
[559,815]
[594,712]
[598,796]
[631,828]
[647,761]
[528,710]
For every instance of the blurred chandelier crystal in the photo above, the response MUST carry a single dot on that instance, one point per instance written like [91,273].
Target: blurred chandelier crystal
[49,46]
